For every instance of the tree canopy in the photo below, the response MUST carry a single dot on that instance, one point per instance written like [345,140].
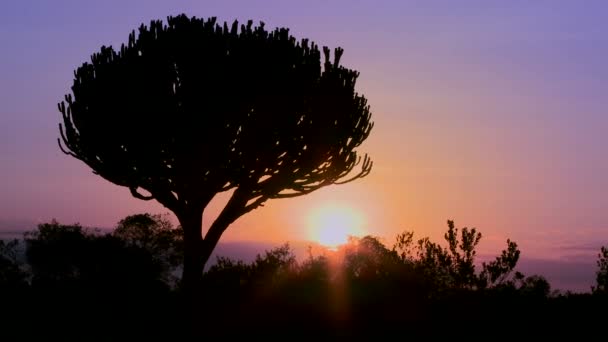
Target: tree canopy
[191,108]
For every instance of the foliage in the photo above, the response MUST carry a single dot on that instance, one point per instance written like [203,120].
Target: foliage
[454,267]
[12,276]
[271,267]
[156,235]
[601,275]
[79,277]
[451,267]
[67,256]
[497,271]
[64,254]
[55,252]
[82,276]
[274,264]
[462,254]
[315,270]
[535,285]
[367,258]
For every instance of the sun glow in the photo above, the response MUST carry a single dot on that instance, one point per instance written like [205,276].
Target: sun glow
[331,225]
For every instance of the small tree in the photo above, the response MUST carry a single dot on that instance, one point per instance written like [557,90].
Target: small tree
[156,235]
[454,267]
[72,257]
[367,258]
[601,275]
[497,272]
[56,253]
[189,109]
[12,277]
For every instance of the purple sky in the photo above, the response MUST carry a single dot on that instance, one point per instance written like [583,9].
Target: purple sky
[491,113]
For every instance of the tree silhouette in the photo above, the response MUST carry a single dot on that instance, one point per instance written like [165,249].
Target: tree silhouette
[454,267]
[188,109]
[73,257]
[497,271]
[156,235]
[601,275]
[11,275]
[81,276]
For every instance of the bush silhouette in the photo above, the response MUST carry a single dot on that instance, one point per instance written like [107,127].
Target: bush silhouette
[156,235]
[601,275]
[71,257]
[80,277]
[12,276]
[454,267]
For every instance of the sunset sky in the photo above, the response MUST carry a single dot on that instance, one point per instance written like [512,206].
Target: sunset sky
[491,113]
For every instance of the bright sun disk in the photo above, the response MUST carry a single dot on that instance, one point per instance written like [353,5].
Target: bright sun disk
[331,225]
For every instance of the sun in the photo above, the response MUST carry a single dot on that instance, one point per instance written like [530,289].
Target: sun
[332,224]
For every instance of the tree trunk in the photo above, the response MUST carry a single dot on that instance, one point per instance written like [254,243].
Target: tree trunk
[192,274]
[197,252]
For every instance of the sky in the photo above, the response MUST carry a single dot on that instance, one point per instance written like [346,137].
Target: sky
[490,113]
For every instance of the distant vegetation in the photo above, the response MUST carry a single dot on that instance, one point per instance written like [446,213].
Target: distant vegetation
[78,283]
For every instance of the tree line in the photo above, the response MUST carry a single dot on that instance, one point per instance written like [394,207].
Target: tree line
[73,278]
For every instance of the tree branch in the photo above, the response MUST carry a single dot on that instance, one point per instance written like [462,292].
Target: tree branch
[365,170]
[257,203]
[235,208]
[65,151]
[300,192]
